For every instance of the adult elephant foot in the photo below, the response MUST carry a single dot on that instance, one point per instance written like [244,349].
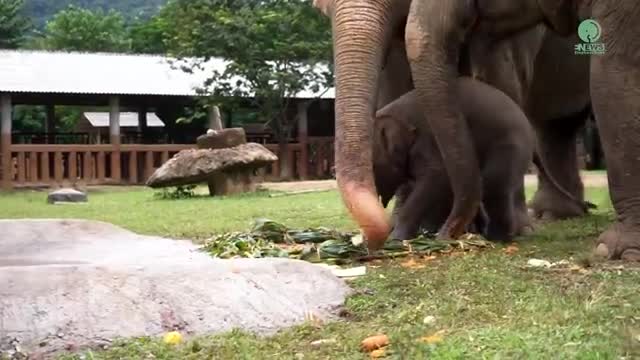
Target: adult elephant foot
[619,242]
[549,206]
[557,150]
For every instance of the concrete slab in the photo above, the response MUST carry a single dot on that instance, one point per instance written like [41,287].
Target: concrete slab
[83,283]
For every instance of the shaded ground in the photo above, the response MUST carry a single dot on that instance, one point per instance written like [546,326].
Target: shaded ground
[73,283]
[590,179]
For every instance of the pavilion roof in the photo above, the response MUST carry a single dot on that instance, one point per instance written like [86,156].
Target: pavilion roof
[28,71]
[127,119]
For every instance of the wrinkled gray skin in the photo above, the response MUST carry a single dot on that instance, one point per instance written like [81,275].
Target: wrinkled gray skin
[435,33]
[405,166]
[503,141]
[507,63]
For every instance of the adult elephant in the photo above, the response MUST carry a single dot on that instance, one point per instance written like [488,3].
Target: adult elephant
[434,35]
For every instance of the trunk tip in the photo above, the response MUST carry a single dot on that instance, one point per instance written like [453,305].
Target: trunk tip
[365,208]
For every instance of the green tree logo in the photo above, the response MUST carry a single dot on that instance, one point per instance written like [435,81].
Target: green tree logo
[589,31]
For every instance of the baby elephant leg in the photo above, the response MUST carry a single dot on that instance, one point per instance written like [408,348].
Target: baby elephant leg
[428,192]
[401,195]
[480,222]
[500,177]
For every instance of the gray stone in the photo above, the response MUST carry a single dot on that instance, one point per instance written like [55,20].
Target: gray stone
[94,282]
[222,139]
[67,195]
[195,166]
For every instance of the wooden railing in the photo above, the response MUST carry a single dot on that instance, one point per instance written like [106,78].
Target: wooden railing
[40,165]
[61,165]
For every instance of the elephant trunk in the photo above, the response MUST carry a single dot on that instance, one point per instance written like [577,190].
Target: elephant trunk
[361,33]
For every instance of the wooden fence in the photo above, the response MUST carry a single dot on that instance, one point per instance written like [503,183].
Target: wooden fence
[58,165]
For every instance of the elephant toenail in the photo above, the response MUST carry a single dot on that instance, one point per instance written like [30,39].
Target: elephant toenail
[602,251]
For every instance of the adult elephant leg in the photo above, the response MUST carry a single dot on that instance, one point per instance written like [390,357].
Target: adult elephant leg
[557,148]
[433,42]
[557,106]
[615,92]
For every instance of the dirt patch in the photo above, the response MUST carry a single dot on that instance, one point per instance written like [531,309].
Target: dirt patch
[300,185]
[74,283]
[589,179]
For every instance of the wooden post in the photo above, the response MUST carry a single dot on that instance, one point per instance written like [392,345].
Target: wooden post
[58,169]
[133,167]
[5,141]
[87,174]
[142,123]
[50,124]
[44,167]
[33,167]
[22,167]
[73,167]
[148,164]
[114,137]
[215,121]
[303,139]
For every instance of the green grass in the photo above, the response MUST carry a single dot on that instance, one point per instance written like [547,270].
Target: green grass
[489,304]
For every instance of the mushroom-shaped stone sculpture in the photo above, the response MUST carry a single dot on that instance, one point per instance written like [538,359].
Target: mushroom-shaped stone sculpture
[230,169]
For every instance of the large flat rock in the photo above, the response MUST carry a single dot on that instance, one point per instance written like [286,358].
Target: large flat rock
[84,283]
[195,166]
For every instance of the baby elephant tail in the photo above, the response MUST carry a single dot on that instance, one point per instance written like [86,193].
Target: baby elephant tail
[585,205]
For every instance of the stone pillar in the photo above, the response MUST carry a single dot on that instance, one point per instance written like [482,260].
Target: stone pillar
[50,124]
[5,140]
[215,120]
[114,137]
[142,123]
[303,139]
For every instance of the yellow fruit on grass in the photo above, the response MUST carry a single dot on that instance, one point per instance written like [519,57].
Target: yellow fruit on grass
[172,338]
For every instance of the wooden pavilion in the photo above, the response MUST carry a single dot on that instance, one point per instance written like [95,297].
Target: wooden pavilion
[142,84]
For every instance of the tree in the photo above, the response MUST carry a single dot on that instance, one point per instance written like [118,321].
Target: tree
[149,36]
[13,25]
[77,29]
[272,48]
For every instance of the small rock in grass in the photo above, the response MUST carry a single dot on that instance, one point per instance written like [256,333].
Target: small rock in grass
[67,195]
[428,320]
[538,263]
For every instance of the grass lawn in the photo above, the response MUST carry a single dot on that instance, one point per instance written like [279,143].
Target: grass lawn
[487,304]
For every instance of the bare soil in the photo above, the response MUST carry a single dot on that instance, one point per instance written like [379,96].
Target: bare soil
[589,179]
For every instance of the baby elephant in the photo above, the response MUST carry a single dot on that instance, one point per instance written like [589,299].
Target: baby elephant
[407,156]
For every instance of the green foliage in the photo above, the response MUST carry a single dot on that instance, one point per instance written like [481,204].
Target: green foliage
[28,118]
[13,25]
[42,11]
[78,29]
[179,192]
[272,47]
[147,36]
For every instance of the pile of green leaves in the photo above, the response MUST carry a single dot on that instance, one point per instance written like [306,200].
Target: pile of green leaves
[271,239]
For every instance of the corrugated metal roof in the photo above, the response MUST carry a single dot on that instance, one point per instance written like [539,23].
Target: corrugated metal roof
[105,73]
[127,119]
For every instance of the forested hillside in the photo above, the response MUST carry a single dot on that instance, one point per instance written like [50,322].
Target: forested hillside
[39,11]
